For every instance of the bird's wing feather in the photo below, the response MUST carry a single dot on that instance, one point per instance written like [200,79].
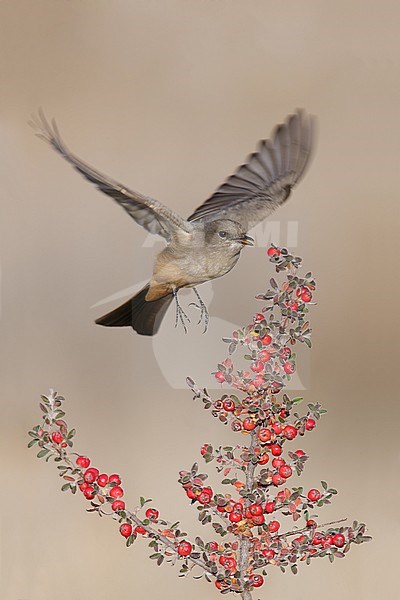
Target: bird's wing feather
[265,181]
[147,212]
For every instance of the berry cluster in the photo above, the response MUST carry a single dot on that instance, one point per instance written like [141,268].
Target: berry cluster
[250,518]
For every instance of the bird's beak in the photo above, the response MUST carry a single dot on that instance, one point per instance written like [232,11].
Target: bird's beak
[246,240]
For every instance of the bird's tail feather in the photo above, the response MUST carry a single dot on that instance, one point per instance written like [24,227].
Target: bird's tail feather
[143,316]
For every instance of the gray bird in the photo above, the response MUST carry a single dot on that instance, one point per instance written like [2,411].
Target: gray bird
[208,244]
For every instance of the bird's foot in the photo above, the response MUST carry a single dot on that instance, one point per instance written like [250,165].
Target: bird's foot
[180,315]
[204,315]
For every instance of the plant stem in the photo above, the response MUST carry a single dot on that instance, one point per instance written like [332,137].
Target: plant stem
[244,548]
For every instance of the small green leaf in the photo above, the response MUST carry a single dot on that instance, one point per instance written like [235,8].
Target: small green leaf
[43,452]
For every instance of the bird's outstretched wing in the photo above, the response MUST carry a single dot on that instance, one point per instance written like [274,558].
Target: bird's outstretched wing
[265,181]
[151,214]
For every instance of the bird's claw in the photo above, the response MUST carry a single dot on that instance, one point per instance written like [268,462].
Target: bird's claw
[180,315]
[203,310]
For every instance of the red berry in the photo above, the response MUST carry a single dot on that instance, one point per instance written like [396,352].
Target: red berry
[277,479]
[264,355]
[258,318]
[300,539]
[289,368]
[290,432]
[277,462]
[221,585]
[310,424]
[266,340]
[204,497]
[114,478]
[273,251]
[270,507]
[190,494]
[152,514]
[285,471]
[306,295]
[314,495]
[90,475]
[248,424]
[264,458]
[317,539]
[294,306]
[238,507]
[311,523]
[264,435]
[257,367]
[228,405]
[57,437]
[258,519]
[102,480]
[268,553]
[140,529]
[184,548]
[228,562]
[219,376]
[89,492]
[235,517]
[118,505]
[203,449]
[213,546]
[83,486]
[273,526]
[285,352]
[256,580]
[116,492]
[338,539]
[276,449]
[277,428]
[300,453]
[125,529]
[256,509]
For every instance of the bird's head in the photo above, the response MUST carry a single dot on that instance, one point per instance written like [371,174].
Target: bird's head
[227,233]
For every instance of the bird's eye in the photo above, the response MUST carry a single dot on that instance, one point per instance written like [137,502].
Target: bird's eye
[222,234]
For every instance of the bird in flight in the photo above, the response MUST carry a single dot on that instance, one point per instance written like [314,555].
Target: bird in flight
[207,244]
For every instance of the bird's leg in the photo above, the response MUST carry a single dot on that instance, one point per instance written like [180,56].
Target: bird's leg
[203,310]
[180,313]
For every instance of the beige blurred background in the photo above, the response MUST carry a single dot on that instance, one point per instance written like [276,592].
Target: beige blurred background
[169,97]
